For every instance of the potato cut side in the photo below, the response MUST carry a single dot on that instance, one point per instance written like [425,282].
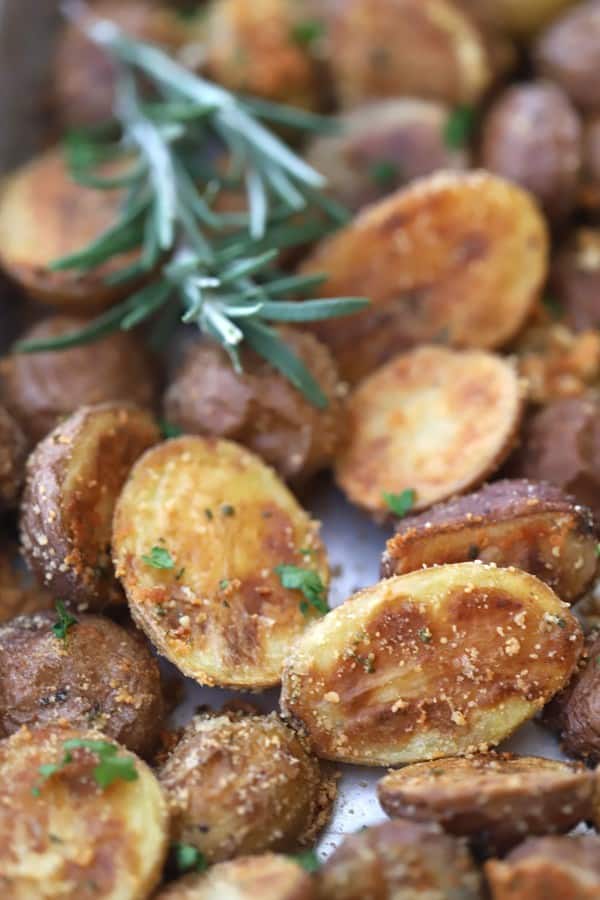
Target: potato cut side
[496,800]
[456,257]
[64,836]
[514,522]
[267,877]
[434,421]
[220,521]
[74,478]
[440,662]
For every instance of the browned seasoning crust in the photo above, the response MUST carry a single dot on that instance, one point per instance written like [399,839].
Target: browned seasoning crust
[513,522]
[242,783]
[494,799]
[439,662]
[400,860]
[74,478]
[13,452]
[99,676]
[266,877]
[556,362]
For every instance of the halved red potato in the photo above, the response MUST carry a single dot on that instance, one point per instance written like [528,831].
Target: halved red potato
[458,258]
[440,662]
[199,531]
[266,877]
[434,421]
[514,522]
[575,277]
[13,453]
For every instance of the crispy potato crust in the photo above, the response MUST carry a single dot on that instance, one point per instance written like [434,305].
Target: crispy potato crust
[494,799]
[530,525]
[74,478]
[433,420]
[433,260]
[555,362]
[75,840]
[268,877]
[575,712]
[99,676]
[439,662]
[568,53]
[220,614]
[19,593]
[575,279]
[400,860]
[239,784]
[13,452]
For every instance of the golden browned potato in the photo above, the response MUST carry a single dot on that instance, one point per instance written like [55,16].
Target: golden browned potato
[494,799]
[519,17]
[440,662]
[432,421]
[399,861]
[81,827]
[514,522]
[199,531]
[241,783]
[532,135]
[13,452]
[556,362]
[383,146]
[260,408]
[433,259]
[568,53]
[74,477]
[92,674]
[40,389]
[548,868]
[19,594]
[575,280]
[267,877]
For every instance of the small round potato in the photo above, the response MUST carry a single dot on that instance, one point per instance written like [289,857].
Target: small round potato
[40,389]
[519,17]
[532,135]
[19,594]
[260,408]
[399,860]
[243,783]
[575,280]
[99,675]
[556,362]
[267,877]
[440,662]
[531,525]
[433,259]
[433,421]
[13,452]
[74,477]
[63,835]
[493,799]
[200,529]
[568,53]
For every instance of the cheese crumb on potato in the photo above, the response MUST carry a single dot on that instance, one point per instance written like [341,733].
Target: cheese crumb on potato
[267,877]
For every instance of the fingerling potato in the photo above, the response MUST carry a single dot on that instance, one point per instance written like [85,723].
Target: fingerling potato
[13,452]
[531,525]
[568,53]
[440,662]
[267,877]
[63,835]
[199,531]
[433,259]
[434,421]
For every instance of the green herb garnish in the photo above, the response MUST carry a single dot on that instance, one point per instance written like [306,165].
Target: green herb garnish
[401,503]
[424,635]
[110,767]
[159,558]
[553,306]
[228,510]
[308,860]
[459,128]
[309,582]
[223,584]
[189,858]
[169,430]
[307,33]
[384,173]
[597,549]
[65,621]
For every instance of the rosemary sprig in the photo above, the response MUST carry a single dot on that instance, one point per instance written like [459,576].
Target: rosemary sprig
[219,266]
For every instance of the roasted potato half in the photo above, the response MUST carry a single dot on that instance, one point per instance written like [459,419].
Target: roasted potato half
[240,783]
[433,259]
[199,530]
[65,832]
[439,662]
[568,53]
[434,421]
[259,407]
[548,868]
[519,17]
[399,861]
[267,877]
[19,593]
[98,675]
[494,799]
[13,453]
[74,477]
[514,522]
[575,280]
[556,362]
[40,389]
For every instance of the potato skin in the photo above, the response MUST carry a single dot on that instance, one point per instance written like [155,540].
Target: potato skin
[515,16]
[74,477]
[494,799]
[19,594]
[399,860]
[241,784]
[13,452]
[40,389]
[575,280]
[260,408]
[73,835]
[220,614]
[568,53]
[475,401]
[101,676]
[531,525]
[432,259]
[532,135]
[266,877]
[413,668]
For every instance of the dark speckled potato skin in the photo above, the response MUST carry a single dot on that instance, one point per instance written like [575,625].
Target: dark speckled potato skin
[100,676]
[13,452]
[575,713]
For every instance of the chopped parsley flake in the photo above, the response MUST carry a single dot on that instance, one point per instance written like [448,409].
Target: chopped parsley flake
[189,858]
[597,549]
[401,503]
[308,860]
[384,173]
[228,510]
[110,767]
[65,621]
[424,635]
[309,582]
[208,513]
[561,623]
[553,306]
[223,584]
[307,33]
[159,558]
[459,127]
[168,430]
